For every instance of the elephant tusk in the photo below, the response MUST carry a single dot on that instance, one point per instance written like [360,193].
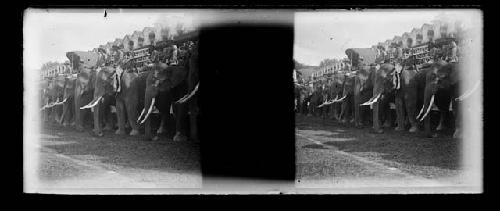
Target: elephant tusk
[468,92]
[92,104]
[187,97]
[149,110]
[142,114]
[428,108]
[342,99]
[421,111]
[372,100]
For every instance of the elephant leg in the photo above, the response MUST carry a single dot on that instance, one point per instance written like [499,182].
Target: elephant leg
[399,114]
[343,111]
[108,117]
[120,117]
[78,114]
[376,121]
[193,121]
[458,122]
[131,108]
[163,120]
[427,126]
[180,120]
[387,115]
[64,113]
[411,107]
[97,119]
[442,116]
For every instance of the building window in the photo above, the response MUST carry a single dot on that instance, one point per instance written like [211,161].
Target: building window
[430,35]
[140,41]
[151,37]
[131,44]
[409,42]
[420,37]
[444,30]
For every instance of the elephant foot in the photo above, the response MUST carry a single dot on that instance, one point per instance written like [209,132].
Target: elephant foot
[134,132]
[413,129]
[98,133]
[108,128]
[120,132]
[399,128]
[431,135]
[160,130]
[387,124]
[379,131]
[79,128]
[358,125]
[179,137]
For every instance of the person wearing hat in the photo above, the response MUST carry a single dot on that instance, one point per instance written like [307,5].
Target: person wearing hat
[173,58]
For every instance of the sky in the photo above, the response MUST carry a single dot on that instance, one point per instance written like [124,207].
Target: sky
[49,34]
[321,35]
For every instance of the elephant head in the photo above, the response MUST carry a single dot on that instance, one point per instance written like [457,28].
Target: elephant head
[440,76]
[55,89]
[337,85]
[85,80]
[161,78]
[69,88]
[105,82]
[362,76]
[382,79]
[348,88]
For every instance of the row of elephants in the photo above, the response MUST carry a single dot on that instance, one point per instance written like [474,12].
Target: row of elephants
[92,97]
[413,93]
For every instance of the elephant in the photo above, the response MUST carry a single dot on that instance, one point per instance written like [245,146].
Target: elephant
[175,88]
[68,102]
[84,92]
[53,94]
[164,85]
[316,100]
[193,81]
[44,99]
[363,91]
[103,98]
[383,88]
[123,88]
[441,85]
[347,99]
[336,93]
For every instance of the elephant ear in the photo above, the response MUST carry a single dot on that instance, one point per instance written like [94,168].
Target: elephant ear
[178,74]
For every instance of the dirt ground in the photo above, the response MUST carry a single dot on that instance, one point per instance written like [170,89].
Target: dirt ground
[71,159]
[327,151]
